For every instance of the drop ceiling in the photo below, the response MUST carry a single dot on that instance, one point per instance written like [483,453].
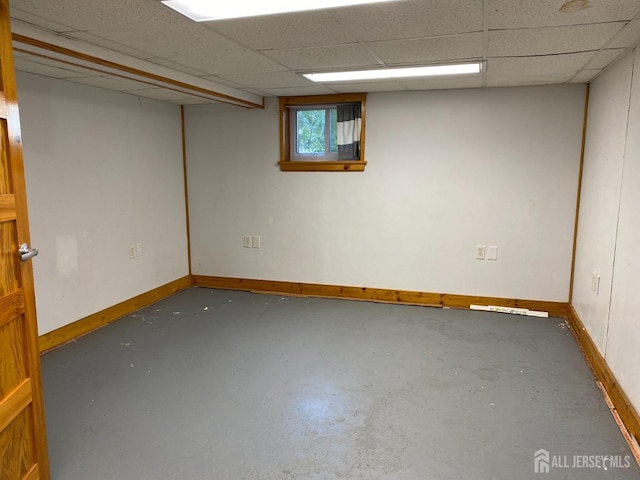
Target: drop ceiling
[166,56]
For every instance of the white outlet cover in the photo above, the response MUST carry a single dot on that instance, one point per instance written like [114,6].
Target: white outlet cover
[481,252]
[595,282]
[492,252]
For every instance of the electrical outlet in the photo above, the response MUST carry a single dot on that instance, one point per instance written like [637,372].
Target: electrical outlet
[255,241]
[595,282]
[481,252]
[247,241]
[132,251]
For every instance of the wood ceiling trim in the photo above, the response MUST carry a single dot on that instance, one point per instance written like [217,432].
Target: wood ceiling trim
[165,82]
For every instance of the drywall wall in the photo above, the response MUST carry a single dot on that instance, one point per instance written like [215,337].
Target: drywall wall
[608,230]
[447,170]
[624,323]
[600,197]
[103,171]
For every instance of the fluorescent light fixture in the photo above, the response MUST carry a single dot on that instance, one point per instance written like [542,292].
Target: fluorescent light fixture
[209,10]
[387,73]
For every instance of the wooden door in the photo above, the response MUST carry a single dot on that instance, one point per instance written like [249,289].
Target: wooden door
[23,447]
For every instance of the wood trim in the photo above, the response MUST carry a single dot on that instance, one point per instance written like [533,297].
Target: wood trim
[186,186]
[604,375]
[123,68]
[348,166]
[33,473]
[375,294]
[579,193]
[3,106]
[14,403]
[11,306]
[7,207]
[88,324]
[288,165]
[323,99]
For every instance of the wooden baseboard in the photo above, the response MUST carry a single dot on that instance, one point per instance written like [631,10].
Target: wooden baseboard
[604,375]
[88,324]
[558,309]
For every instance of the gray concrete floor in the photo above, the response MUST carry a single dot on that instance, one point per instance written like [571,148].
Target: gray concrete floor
[211,384]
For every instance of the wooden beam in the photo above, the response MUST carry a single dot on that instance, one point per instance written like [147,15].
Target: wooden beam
[165,82]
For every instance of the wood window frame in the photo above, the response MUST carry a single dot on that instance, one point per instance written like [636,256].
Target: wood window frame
[289,165]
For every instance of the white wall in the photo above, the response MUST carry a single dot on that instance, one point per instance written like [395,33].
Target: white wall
[608,230]
[103,171]
[446,170]
[600,198]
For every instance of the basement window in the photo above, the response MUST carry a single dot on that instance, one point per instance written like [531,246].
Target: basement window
[322,133]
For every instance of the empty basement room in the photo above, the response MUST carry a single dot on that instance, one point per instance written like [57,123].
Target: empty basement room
[390,240]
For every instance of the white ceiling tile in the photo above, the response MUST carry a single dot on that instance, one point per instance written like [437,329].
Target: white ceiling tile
[526,14]
[566,64]
[585,76]
[109,82]
[390,86]
[534,70]
[105,43]
[604,57]
[551,40]
[412,19]
[293,30]
[297,91]
[434,49]
[436,83]
[517,79]
[317,58]
[24,64]
[193,45]
[628,36]
[401,32]
[18,16]
[88,15]
[269,80]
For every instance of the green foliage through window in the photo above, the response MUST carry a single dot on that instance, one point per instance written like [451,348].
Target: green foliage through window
[313,136]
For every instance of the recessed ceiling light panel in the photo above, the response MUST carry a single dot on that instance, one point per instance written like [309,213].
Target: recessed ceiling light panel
[207,10]
[389,73]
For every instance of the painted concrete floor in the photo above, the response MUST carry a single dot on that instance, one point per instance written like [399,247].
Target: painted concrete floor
[211,384]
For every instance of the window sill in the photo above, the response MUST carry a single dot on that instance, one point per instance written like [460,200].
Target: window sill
[338,166]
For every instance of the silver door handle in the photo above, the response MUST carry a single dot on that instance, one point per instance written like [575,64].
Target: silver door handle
[26,253]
